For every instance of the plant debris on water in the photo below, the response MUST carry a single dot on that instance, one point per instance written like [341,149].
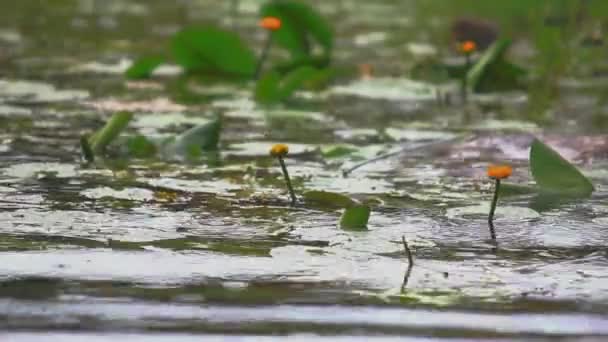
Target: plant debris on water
[324,170]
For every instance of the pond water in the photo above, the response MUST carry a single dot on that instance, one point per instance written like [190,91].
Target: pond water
[171,250]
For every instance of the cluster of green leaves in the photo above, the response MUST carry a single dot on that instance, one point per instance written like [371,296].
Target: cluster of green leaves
[214,51]
[490,72]
[187,145]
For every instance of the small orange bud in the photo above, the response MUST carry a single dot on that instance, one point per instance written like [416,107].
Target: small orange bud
[467,46]
[499,171]
[366,71]
[279,150]
[270,23]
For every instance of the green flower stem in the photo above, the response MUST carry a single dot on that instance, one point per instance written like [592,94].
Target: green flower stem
[493,209]
[263,56]
[464,91]
[288,181]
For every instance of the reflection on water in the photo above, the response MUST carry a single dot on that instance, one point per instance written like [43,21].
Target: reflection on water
[151,245]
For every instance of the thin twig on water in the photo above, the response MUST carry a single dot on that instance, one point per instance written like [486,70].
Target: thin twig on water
[410,263]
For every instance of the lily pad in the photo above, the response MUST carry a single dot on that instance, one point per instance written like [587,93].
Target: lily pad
[355,217]
[554,174]
[143,67]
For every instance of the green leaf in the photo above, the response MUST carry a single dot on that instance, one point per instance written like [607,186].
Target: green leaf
[140,147]
[194,141]
[211,50]
[301,24]
[326,198]
[338,151]
[271,89]
[267,88]
[491,56]
[110,131]
[143,67]
[355,217]
[554,174]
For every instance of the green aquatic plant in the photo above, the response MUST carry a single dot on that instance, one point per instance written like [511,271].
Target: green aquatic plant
[497,173]
[301,28]
[186,145]
[466,48]
[279,151]
[272,88]
[109,132]
[203,50]
[355,214]
[272,25]
[555,175]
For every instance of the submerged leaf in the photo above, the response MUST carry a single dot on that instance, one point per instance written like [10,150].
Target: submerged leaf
[213,50]
[554,174]
[355,217]
[326,198]
[143,67]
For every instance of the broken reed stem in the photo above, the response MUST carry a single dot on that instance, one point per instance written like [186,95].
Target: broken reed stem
[288,181]
[410,265]
[493,210]
[346,172]
[263,56]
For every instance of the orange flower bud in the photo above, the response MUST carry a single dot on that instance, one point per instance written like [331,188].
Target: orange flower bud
[270,23]
[499,171]
[279,150]
[467,46]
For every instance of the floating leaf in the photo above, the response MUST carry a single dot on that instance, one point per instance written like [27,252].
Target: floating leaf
[195,140]
[143,67]
[555,174]
[112,129]
[301,24]
[338,151]
[213,50]
[326,198]
[355,217]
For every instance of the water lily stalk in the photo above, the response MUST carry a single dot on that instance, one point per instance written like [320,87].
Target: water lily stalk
[279,151]
[466,48]
[410,263]
[87,151]
[496,172]
[271,24]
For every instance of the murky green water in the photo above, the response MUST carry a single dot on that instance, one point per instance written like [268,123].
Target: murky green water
[167,249]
